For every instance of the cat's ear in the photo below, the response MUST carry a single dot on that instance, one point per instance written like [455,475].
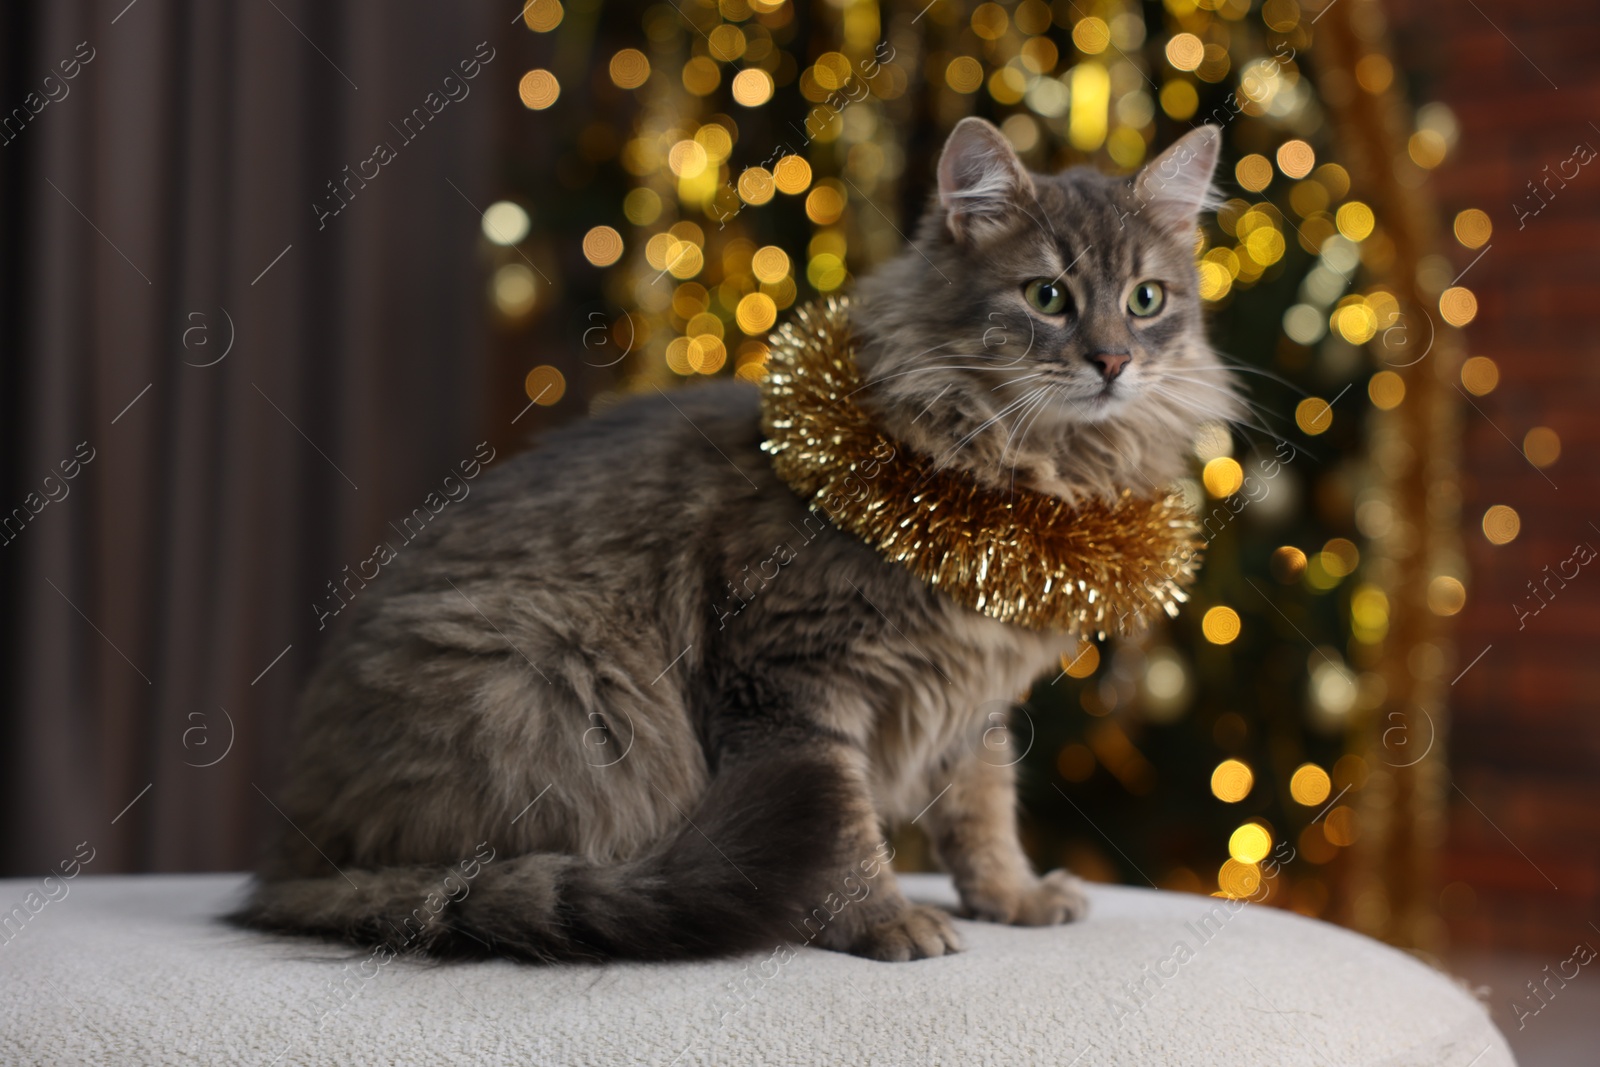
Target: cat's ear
[981,180]
[1175,187]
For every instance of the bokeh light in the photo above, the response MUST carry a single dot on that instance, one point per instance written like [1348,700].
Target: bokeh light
[1386,390]
[1313,415]
[542,16]
[1542,446]
[1310,784]
[629,69]
[544,385]
[1222,476]
[538,89]
[1250,843]
[1501,524]
[1472,227]
[1480,375]
[506,223]
[1220,625]
[1232,781]
[602,246]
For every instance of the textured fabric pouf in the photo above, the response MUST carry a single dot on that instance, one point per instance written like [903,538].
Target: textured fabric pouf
[136,970]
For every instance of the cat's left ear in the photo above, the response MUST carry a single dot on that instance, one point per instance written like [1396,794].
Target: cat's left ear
[981,180]
[1175,187]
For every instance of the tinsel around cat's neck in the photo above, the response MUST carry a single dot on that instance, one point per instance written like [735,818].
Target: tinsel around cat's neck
[1021,557]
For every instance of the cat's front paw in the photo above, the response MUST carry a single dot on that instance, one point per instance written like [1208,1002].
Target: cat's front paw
[1056,898]
[918,932]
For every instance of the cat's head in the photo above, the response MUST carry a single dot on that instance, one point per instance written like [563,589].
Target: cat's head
[1046,330]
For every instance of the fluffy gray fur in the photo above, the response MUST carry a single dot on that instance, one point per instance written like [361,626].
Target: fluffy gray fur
[714,700]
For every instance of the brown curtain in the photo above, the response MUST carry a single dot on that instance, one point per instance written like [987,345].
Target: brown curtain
[157,214]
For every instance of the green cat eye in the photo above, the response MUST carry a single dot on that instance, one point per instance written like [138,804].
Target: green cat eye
[1146,299]
[1046,296]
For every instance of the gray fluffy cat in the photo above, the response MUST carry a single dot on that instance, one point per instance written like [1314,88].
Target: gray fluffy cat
[713,745]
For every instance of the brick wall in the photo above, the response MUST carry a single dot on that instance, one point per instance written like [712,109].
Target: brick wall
[1523,849]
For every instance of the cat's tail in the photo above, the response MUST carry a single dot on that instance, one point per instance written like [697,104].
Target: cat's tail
[756,856]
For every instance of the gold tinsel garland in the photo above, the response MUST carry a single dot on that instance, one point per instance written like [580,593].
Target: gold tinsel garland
[1021,557]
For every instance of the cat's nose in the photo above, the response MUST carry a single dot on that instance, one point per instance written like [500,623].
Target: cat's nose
[1110,363]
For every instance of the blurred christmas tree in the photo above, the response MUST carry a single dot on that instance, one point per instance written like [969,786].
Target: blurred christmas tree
[716,161]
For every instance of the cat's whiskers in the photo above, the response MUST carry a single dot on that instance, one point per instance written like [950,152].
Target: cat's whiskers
[939,462]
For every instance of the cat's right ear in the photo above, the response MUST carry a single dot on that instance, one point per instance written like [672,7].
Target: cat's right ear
[981,180]
[1175,187]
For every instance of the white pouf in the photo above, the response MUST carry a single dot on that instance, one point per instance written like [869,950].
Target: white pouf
[136,970]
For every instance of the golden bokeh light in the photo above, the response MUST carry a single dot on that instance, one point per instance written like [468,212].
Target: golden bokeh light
[831,70]
[1480,375]
[1185,51]
[990,21]
[1253,172]
[791,175]
[770,264]
[1427,148]
[1238,880]
[1007,85]
[678,351]
[1082,662]
[1222,476]
[1313,415]
[726,43]
[641,206]
[629,69]
[1310,784]
[544,385]
[752,87]
[756,313]
[1250,843]
[1446,595]
[542,16]
[1232,781]
[1458,305]
[1040,55]
[1179,99]
[1386,390]
[964,74]
[538,89]
[1220,625]
[756,185]
[1340,826]
[1473,227]
[716,140]
[683,259]
[824,205]
[602,246]
[687,159]
[1296,158]
[1542,446]
[1288,564]
[1091,35]
[1501,524]
[1340,556]
[1355,220]
[1374,72]
[1369,614]
[701,76]
[706,354]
